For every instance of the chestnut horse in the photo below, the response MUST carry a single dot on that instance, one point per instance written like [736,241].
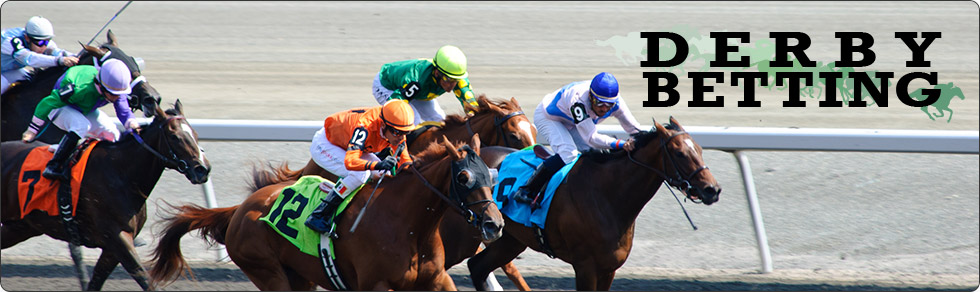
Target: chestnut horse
[506,125]
[592,215]
[397,246]
[111,207]
[19,102]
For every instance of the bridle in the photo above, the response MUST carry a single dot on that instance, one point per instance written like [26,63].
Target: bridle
[679,181]
[478,179]
[497,122]
[172,162]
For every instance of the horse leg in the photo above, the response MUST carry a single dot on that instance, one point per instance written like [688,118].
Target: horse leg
[13,233]
[103,267]
[585,276]
[443,282]
[267,278]
[121,247]
[498,253]
[515,276]
[297,282]
[604,280]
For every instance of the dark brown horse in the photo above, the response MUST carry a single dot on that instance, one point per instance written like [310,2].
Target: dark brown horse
[111,208]
[19,102]
[498,123]
[397,245]
[592,215]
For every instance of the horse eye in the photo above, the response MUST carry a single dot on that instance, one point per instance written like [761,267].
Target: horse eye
[464,178]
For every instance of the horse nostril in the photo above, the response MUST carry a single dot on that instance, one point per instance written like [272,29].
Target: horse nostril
[491,227]
[201,171]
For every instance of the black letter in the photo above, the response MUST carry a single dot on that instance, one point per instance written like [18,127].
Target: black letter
[654,89]
[918,51]
[783,47]
[847,49]
[722,49]
[932,94]
[880,96]
[794,86]
[653,49]
[830,89]
[700,89]
[749,86]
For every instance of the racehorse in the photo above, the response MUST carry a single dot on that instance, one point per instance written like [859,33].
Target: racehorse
[111,206]
[593,212]
[499,123]
[19,102]
[398,246]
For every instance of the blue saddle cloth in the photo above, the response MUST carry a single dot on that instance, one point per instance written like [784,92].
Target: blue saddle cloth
[514,172]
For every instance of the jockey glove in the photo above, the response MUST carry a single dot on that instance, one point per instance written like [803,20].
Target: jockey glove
[387,164]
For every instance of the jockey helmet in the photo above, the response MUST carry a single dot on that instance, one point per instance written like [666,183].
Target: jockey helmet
[605,88]
[451,61]
[396,113]
[115,77]
[39,28]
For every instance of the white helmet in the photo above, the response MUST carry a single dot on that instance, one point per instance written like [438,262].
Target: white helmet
[39,28]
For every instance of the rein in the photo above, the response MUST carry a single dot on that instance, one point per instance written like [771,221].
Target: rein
[460,207]
[180,165]
[497,121]
[679,181]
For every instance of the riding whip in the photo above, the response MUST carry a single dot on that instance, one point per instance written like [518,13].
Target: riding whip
[682,206]
[361,215]
[107,23]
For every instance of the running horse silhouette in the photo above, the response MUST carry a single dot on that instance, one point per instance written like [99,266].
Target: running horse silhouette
[397,247]
[593,213]
[498,123]
[19,102]
[947,92]
[111,205]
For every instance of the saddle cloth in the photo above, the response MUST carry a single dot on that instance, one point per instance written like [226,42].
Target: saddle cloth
[515,171]
[35,192]
[294,204]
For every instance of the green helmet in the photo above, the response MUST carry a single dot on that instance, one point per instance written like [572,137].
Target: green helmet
[451,61]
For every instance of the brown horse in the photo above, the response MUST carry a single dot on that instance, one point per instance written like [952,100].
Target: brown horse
[592,215]
[397,246]
[19,102]
[506,125]
[111,208]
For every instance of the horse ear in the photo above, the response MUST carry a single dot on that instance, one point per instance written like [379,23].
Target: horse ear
[92,50]
[475,143]
[514,102]
[159,113]
[178,107]
[111,37]
[660,128]
[450,148]
[676,124]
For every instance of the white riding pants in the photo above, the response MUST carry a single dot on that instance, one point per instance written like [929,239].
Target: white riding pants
[331,158]
[564,141]
[94,124]
[425,110]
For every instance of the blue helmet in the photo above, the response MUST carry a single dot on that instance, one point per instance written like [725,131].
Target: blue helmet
[604,87]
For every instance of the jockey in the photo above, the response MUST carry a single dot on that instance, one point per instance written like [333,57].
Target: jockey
[30,45]
[568,117]
[420,81]
[73,106]
[346,147]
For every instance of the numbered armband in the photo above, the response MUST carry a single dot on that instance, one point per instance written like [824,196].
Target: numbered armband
[357,139]
[410,90]
[17,44]
[66,92]
[578,112]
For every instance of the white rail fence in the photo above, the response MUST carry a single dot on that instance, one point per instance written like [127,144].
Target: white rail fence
[735,140]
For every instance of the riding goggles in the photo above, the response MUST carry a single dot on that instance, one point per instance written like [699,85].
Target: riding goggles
[39,43]
[597,103]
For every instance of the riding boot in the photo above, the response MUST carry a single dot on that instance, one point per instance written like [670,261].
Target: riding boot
[57,167]
[529,192]
[321,220]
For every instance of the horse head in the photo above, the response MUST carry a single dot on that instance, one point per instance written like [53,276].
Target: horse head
[681,158]
[510,127]
[471,188]
[177,145]
[144,96]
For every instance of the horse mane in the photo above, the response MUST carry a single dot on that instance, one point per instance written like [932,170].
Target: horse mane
[432,153]
[455,120]
[640,139]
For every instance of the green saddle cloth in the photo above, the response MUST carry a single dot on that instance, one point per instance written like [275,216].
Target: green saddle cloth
[294,204]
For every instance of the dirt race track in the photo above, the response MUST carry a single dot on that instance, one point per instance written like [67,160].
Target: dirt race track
[834,220]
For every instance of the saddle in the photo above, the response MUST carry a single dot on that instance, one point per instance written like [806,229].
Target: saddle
[36,192]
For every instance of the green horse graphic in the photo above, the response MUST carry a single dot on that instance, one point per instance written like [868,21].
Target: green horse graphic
[948,91]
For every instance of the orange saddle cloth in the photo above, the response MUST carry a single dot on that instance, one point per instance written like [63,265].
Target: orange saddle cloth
[36,192]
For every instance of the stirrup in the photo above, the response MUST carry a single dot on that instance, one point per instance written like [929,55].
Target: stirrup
[523,196]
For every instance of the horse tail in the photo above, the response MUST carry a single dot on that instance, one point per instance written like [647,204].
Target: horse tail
[273,175]
[167,257]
